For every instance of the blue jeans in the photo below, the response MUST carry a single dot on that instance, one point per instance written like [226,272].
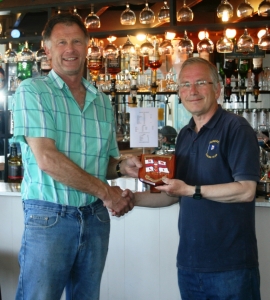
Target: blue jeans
[241,284]
[62,246]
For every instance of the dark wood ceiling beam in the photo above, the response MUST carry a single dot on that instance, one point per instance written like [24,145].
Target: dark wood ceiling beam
[102,10]
[172,6]
[17,5]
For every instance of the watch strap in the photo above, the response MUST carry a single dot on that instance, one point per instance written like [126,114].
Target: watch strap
[197,195]
[119,174]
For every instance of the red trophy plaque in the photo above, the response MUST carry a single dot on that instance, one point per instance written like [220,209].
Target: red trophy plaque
[155,168]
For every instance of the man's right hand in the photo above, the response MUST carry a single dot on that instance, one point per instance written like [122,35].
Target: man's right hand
[119,202]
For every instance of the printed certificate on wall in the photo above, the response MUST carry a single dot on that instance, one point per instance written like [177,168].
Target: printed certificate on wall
[143,127]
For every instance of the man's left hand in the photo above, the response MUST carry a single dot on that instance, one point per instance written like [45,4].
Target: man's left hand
[130,166]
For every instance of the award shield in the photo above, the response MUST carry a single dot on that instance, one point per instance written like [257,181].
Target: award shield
[155,168]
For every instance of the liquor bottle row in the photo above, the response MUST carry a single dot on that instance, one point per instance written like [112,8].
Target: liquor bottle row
[239,69]
[130,63]
[25,64]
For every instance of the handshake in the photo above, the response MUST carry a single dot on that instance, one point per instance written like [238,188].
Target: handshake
[120,202]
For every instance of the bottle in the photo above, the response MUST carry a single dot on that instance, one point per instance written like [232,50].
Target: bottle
[243,69]
[228,69]
[45,65]
[220,72]
[114,65]
[10,55]
[39,55]
[144,62]
[236,73]
[14,165]
[24,65]
[154,56]
[256,69]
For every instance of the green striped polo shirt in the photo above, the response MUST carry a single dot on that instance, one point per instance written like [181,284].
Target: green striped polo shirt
[45,107]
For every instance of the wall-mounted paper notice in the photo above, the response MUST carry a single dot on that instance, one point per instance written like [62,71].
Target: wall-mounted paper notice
[143,127]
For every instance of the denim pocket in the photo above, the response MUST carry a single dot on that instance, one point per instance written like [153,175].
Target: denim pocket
[41,219]
[102,214]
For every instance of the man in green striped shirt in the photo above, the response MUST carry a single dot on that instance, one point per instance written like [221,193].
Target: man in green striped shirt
[66,130]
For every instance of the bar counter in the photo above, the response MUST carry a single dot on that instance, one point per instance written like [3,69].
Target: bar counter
[141,262]
[13,189]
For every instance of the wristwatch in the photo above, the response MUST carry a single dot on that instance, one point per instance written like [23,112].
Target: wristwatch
[119,174]
[197,195]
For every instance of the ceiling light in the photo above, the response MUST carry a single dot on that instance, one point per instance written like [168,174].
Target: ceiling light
[261,33]
[230,33]
[141,37]
[15,33]
[111,38]
[264,41]
[170,35]
[225,10]
[203,34]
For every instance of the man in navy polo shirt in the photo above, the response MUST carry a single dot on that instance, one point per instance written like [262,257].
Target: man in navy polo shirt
[217,168]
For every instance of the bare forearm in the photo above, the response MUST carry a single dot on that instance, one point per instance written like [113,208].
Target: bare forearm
[62,169]
[147,199]
[241,191]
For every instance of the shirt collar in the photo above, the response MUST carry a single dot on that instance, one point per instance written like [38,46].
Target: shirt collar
[211,123]
[59,82]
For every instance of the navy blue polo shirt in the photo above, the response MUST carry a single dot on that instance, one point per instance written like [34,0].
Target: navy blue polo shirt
[217,236]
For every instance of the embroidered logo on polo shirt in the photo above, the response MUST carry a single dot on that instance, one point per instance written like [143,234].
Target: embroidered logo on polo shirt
[212,149]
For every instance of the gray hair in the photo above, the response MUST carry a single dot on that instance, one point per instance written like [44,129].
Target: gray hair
[197,60]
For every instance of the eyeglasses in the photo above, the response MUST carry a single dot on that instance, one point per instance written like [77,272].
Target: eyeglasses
[198,84]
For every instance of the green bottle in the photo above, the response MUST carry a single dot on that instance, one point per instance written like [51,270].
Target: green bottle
[24,65]
[243,67]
